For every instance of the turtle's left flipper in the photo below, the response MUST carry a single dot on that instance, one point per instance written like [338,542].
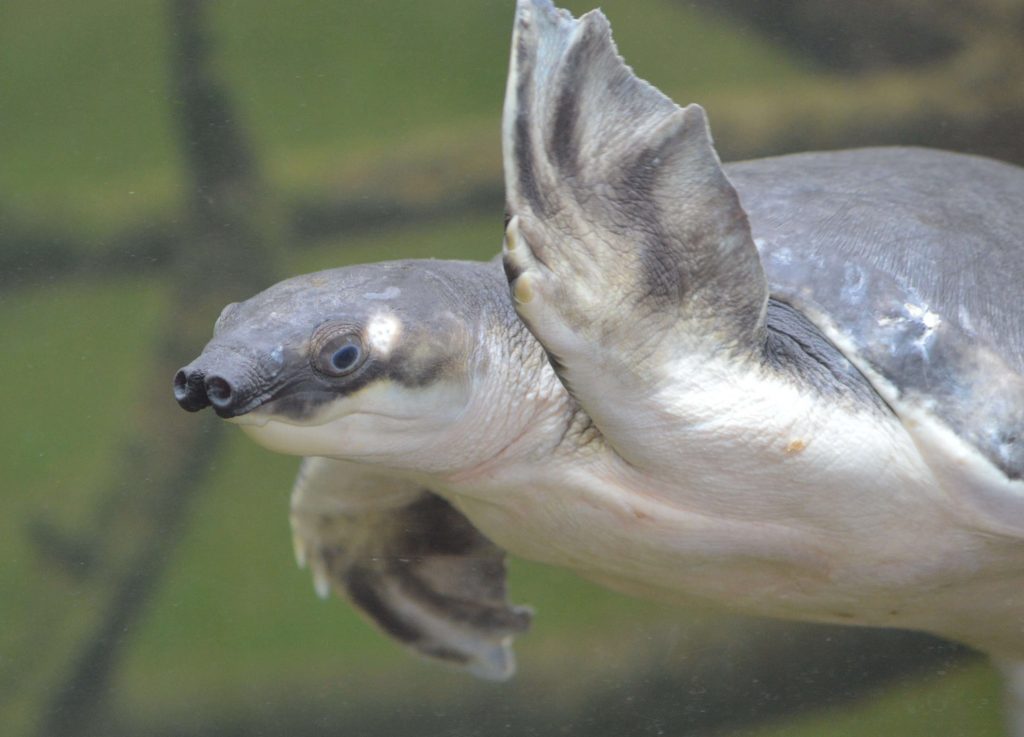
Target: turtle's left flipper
[409,561]
[626,247]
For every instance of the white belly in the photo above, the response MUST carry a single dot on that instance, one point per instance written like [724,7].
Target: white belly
[834,517]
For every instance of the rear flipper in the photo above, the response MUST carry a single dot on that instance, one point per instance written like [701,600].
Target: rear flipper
[409,561]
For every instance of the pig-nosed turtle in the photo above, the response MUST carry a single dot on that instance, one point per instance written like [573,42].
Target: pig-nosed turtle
[792,386]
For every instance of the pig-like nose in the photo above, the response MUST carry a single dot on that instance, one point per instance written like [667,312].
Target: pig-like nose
[190,389]
[220,392]
[229,389]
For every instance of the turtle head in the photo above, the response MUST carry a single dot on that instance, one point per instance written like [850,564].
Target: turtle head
[373,362]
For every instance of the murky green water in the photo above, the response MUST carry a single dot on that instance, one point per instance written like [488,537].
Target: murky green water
[147,583]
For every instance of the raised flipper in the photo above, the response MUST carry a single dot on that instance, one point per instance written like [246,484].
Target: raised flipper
[626,249]
[409,561]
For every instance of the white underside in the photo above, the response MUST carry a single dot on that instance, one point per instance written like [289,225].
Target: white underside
[979,488]
[775,503]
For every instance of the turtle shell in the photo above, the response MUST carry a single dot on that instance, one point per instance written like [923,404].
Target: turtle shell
[912,260]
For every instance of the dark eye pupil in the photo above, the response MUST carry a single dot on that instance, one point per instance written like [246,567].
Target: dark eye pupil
[345,357]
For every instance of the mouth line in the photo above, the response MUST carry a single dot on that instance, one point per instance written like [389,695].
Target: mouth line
[235,413]
[248,420]
[267,397]
[246,417]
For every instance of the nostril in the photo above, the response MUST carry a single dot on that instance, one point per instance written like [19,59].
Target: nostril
[181,386]
[189,390]
[219,391]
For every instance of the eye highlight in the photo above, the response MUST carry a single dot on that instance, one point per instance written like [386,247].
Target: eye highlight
[340,354]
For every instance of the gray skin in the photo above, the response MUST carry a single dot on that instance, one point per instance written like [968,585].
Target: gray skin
[884,282]
[261,354]
[879,229]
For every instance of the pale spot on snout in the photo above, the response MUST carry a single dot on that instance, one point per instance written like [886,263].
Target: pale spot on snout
[276,362]
[382,333]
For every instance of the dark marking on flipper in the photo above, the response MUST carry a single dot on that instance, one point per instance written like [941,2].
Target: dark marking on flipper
[635,189]
[603,167]
[363,586]
[429,579]
[564,140]
[526,173]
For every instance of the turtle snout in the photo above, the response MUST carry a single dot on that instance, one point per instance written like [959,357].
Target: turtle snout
[196,389]
[230,389]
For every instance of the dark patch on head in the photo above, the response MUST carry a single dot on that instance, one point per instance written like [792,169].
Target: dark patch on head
[508,218]
[402,369]
[306,390]
[796,348]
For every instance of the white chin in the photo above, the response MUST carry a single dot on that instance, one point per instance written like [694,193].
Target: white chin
[352,436]
[383,423]
[252,419]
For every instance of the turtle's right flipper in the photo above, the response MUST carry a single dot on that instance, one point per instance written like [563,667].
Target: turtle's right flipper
[626,247]
[409,561]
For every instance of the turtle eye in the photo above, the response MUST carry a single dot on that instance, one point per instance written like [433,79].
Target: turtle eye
[340,355]
[345,357]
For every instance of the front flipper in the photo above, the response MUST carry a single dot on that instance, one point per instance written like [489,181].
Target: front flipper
[409,561]
[627,248]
